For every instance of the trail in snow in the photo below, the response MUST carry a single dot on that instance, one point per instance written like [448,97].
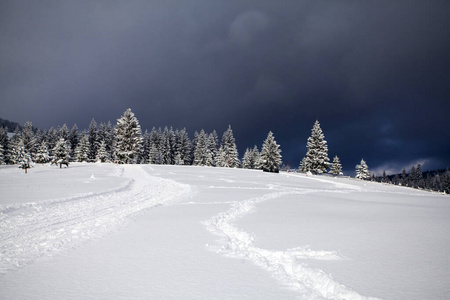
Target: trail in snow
[286,266]
[31,230]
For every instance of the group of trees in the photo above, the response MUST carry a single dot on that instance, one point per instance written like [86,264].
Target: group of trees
[125,143]
[316,159]
[430,180]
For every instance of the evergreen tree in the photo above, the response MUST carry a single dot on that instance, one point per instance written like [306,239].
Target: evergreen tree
[228,155]
[63,132]
[336,167]
[146,145]
[2,155]
[384,178]
[270,155]
[445,182]
[128,138]
[23,157]
[61,152]
[201,150]
[154,156]
[165,147]
[403,180]
[42,155]
[14,147]
[82,150]
[185,147]
[303,165]
[256,159]
[362,170]
[316,159]
[93,140]
[29,140]
[247,159]
[52,138]
[73,139]
[4,141]
[102,154]
[213,145]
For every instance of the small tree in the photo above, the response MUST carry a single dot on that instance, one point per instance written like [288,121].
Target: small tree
[82,150]
[102,154]
[270,155]
[362,170]
[61,153]
[22,158]
[246,160]
[336,167]
[2,155]
[42,155]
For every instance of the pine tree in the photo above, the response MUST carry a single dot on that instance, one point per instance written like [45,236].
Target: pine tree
[63,132]
[73,139]
[4,141]
[102,154]
[29,139]
[164,147]
[2,155]
[42,155]
[61,152]
[247,159]
[316,159]
[146,145]
[256,159]
[51,138]
[185,146]
[128,138]
[362,170]
[93,140]
[23,157]
[336,167]
[200,151]
[228,155]
[82,150]
[14,147]
[270,155]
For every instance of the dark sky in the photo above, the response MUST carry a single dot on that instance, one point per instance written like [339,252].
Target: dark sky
[376,74]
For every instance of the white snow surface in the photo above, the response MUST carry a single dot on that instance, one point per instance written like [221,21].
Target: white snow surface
[105,231]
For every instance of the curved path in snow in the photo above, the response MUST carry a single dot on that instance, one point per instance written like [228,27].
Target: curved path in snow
[284,265]
[31,230]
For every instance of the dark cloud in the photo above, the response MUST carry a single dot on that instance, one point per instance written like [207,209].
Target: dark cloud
[375,73]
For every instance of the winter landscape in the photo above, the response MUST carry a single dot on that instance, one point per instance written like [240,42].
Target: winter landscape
[106,231]
[224,150]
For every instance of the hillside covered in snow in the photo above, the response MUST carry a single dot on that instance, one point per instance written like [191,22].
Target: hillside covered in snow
[105,231]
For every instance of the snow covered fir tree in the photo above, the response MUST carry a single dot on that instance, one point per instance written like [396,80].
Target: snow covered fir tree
[316,159]
[336,167]
[270,155]
[128,138]
[362,170]
[228,154]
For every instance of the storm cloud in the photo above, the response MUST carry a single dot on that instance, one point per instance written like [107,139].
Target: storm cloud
[376,74]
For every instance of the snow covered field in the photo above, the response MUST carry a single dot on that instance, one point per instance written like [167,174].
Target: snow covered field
[101,231]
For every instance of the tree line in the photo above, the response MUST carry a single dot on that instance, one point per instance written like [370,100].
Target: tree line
[438,180]
[126,144]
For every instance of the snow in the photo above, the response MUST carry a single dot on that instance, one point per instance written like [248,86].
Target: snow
[105,231]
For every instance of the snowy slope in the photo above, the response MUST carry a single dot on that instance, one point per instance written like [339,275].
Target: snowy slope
[100,231]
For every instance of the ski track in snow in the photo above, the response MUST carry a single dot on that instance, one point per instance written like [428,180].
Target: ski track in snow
[286,266]
[32,230]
